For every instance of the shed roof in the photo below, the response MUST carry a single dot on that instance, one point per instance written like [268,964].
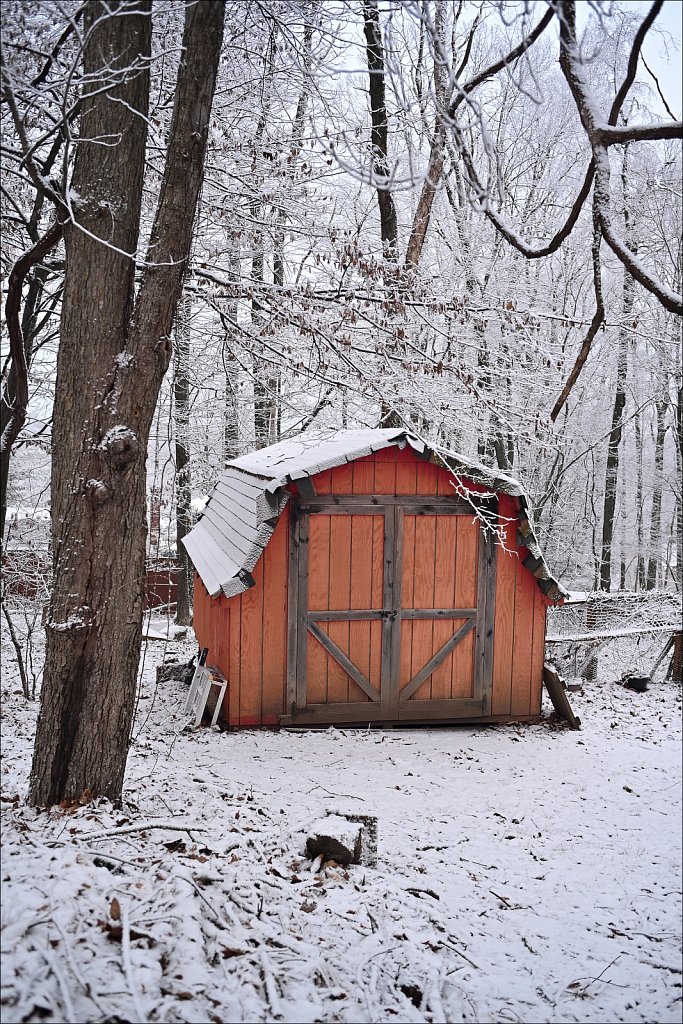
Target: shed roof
[245,504]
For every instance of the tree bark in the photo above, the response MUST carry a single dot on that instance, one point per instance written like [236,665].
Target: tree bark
[113,355]
[379,140]
[614,442]
[183,478]
[230,409]
[613,449]
[437,152]
[655,545]
[380,130]
[641,560]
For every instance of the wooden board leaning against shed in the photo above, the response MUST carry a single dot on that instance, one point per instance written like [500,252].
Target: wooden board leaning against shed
[379,598]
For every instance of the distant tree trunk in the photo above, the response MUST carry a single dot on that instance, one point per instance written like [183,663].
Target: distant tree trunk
[231,431]
[183,477]
[380,130]
[655,545]
[612,472]
[437,153]
[679,503]
[379,133]
[625,530]
[614,443]
[21,331]
[261,368]
[641,560]
[262,397]
[113,354]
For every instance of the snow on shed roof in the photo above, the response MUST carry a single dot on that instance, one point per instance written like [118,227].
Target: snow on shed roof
[245,504]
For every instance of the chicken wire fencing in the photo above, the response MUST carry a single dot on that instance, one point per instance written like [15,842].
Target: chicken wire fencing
[610,636]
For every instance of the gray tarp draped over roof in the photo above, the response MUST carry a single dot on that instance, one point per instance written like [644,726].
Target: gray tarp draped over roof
[245,504]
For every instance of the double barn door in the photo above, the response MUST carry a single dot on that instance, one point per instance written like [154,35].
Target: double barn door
[390,611]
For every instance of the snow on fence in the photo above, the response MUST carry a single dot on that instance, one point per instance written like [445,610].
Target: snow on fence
[613,634]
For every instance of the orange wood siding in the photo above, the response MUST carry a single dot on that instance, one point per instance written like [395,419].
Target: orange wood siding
[519,627]
[247,635]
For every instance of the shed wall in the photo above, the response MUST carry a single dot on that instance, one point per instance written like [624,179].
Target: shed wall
[247,635]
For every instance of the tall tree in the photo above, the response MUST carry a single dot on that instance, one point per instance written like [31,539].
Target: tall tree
[114,351]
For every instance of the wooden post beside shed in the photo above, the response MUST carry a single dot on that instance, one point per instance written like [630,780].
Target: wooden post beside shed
[357,579]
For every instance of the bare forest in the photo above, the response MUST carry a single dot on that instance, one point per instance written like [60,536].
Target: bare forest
[229,223]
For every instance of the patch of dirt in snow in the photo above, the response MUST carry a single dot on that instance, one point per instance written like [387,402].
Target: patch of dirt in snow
[525,873]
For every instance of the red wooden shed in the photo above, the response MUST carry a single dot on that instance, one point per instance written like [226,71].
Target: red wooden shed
[357,579]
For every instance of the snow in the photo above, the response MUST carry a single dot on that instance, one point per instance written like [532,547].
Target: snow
[158,628]
[19,513]
[525,873]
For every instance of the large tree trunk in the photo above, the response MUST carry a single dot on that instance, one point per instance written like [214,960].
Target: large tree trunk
[112,359]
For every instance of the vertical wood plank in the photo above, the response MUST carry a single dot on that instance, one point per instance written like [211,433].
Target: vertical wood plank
[342,479]
[538,653]
[466,558]
[235,658]
[490,562]
[302,609]
[361,597]
[252,650]
[224,662]
[199,610]
[274,632]
[318,598]
[525,585]
[407,584]
[393,589]
[406,471]
[390,582]
[322,482]
[364,475]
[385,475]
[292,604]
[427,477]
[340,592]
[506,570]
[444,482]
[423,597]
[376,599]
[444,597]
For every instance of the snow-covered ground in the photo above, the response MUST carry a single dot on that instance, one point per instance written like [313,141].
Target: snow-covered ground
[525,873]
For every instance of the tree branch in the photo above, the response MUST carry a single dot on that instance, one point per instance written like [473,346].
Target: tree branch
[574,73]
[463,91]
[595,324]
[12,307]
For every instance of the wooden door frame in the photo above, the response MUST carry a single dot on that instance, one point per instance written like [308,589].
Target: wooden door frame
[392,508]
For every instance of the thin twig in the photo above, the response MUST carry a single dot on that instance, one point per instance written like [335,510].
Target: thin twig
[167,826]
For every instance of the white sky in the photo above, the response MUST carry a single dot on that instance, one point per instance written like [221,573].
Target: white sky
[662,47]
[667,67]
